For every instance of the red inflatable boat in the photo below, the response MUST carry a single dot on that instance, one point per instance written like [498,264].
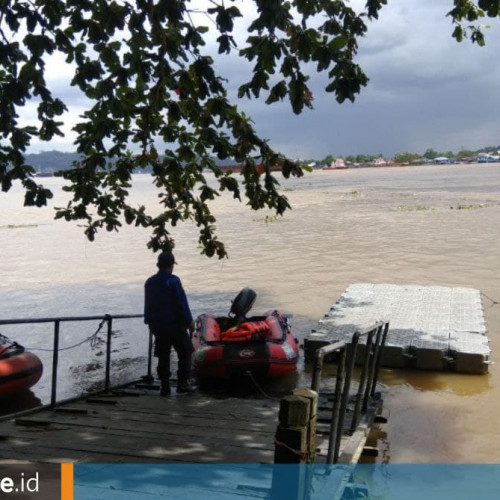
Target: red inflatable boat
[234,345]
[19,369]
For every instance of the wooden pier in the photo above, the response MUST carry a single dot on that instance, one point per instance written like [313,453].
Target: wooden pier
[133,424]
[140,426]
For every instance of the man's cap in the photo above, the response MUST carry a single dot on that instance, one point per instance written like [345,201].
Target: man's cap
[166,259]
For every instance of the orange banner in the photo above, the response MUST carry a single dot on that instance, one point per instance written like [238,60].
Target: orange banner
[66,481]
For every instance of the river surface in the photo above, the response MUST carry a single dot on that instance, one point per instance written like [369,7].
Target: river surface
[433,225]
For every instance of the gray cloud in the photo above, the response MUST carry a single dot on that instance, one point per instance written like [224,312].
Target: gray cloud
[425,90]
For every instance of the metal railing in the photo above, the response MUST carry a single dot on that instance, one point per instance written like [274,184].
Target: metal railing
[105,319]
[370,362]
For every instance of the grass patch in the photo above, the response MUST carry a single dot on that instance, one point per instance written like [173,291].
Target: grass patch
[418,208]
[468,207]
[17,226]
[268,219]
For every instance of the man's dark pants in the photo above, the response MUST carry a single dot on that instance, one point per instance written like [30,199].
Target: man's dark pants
[180,340]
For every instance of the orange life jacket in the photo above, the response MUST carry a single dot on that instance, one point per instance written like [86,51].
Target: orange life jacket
[249,330]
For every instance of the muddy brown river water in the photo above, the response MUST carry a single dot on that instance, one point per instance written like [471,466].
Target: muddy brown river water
[433,225]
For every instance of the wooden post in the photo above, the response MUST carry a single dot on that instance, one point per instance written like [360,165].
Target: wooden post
[295,443]
[291,445]
[312,397]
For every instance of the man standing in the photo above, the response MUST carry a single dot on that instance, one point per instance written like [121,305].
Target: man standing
[166,311]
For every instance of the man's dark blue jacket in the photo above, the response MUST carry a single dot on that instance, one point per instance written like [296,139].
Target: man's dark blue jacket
[165,305]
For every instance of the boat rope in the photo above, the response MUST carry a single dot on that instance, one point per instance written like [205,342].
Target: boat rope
[5,349]
[10,344]
[493,302]
[302,454]
[92,338]
[259,388]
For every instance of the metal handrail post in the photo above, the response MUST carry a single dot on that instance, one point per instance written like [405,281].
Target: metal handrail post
[108,353]
[373,362]
[335,435]
[350,362]
[378,357]
[371,365]
[318,362]
[55,350]
[55,361]
[365,372]
[317,369]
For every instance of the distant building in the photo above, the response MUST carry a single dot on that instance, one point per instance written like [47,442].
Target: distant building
[338,164]
[420,161]
[442,160]
[379,162]
[487,158]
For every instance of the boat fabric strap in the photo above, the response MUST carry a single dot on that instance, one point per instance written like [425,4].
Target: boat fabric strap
[248,330]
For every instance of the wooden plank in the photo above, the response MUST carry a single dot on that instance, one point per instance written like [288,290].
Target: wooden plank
[238,408]
[60,432]
[48,455]
[134,432]
[195,426]
[226,421]
[129,448]
[150,428]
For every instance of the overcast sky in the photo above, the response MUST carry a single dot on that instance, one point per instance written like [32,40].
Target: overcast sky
[425,91]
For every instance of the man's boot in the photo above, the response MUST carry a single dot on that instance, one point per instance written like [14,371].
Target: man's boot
[184,387]
[165,388]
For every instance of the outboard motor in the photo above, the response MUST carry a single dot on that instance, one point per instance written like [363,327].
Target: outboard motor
[242,303]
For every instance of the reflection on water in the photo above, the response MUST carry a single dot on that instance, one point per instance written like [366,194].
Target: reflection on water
[418,380]
[365,225]
[24,400]
[378,439]
[461,385]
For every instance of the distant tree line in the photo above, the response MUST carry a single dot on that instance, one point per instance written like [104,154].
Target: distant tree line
[407,157]
[49,162]
[52,161]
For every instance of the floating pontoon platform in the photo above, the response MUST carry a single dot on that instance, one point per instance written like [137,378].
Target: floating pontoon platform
[431,327]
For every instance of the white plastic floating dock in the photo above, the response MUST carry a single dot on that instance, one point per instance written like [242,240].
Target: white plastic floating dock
[430,327]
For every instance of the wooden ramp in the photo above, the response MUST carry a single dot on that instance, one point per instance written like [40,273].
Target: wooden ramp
[352,444]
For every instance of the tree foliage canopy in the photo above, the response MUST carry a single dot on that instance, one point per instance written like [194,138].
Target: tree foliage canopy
[146,69]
